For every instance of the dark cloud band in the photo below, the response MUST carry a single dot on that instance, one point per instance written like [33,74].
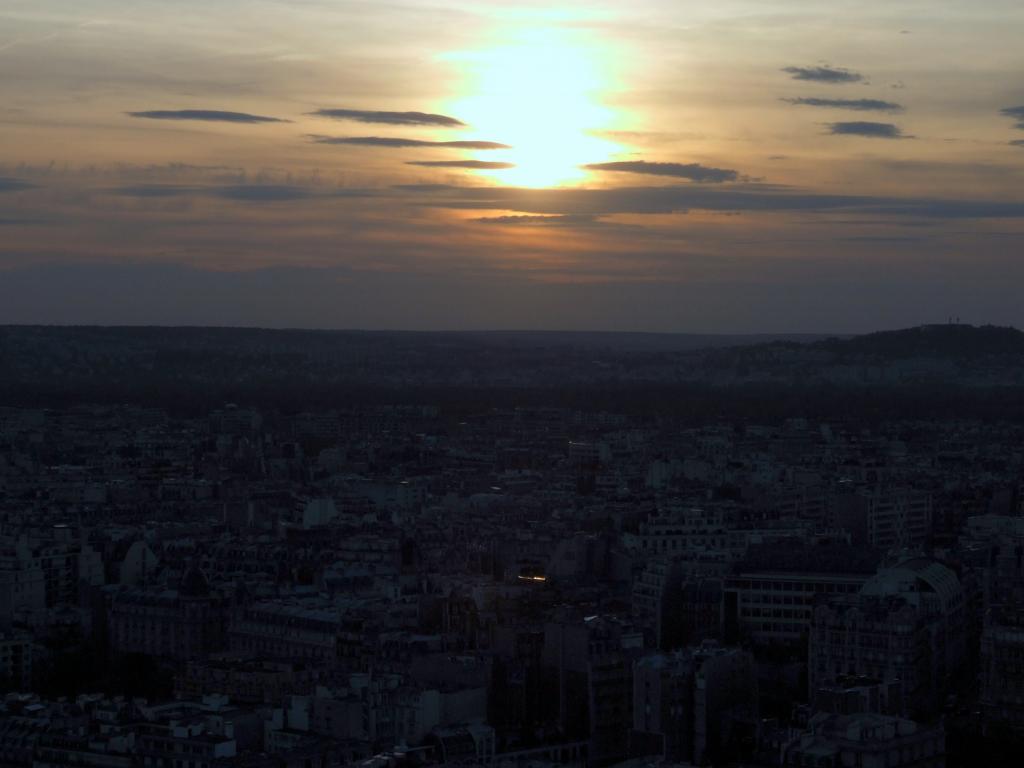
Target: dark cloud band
[206,115]
[860,105]
[256,193]
[1017,113]
[565,220]
[478,165]
[390,118]
[691,171]
[680,198]
[868,129]
[8,184]
[394,143]
[824,74]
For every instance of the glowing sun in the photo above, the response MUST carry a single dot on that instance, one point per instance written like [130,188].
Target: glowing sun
[539,93]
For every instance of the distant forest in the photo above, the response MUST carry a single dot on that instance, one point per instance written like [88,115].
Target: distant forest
[191,371]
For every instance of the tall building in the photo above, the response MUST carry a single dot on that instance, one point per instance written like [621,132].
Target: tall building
[656,589]
[1002,666]
[590,666]
[689,705]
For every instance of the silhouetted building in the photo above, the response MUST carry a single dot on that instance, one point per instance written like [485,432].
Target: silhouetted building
[693,705]
[591,660]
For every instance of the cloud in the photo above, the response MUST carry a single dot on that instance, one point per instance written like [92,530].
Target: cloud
[1017,143]
[480,165]
[157,190]
[681,198]
[382,141]
[861,105]
[871,130]
[692,171]
[21,222]
[257,193]
[880,239]
[8,184]
[264,192]
[564,220]
[824,74]
[390,118]
[1017,113]
[206,115]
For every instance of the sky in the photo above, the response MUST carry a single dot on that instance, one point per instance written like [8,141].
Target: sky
[743,166]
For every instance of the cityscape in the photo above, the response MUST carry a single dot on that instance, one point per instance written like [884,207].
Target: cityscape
[411,559]
[511,384]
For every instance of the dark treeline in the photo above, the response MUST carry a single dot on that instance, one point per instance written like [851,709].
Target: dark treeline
[693,403]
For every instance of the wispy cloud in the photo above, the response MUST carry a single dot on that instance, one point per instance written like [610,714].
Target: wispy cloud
[860,105]
[8,184]
[158,190]
[565,220]
[269,193]
[257,193]
[206,115]
[1017,113]
[384,141]
[824,74]
[692,171]
[479,165]
[21,222]
[880,239]
[390,118]
[871,130]
[681,198]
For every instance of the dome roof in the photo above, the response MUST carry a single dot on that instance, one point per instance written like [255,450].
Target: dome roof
[916,577]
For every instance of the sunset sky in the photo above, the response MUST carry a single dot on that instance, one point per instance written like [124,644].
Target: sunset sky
[661,165]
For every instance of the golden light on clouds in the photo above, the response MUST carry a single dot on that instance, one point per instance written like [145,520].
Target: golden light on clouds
[540,90]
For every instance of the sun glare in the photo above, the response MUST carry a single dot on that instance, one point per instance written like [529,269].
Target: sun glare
[539,93]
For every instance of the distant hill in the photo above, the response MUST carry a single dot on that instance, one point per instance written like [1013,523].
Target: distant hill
[295,339]
[625,341]
[926,370]
[942,342]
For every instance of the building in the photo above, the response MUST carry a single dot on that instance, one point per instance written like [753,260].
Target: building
[15,660]
[867,741]
[589,663]
[906,624]
[850,695]
[769,599]
[180,624]
[287,630]
[883,517]
[689,705]
[1002,666]
[656,590]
